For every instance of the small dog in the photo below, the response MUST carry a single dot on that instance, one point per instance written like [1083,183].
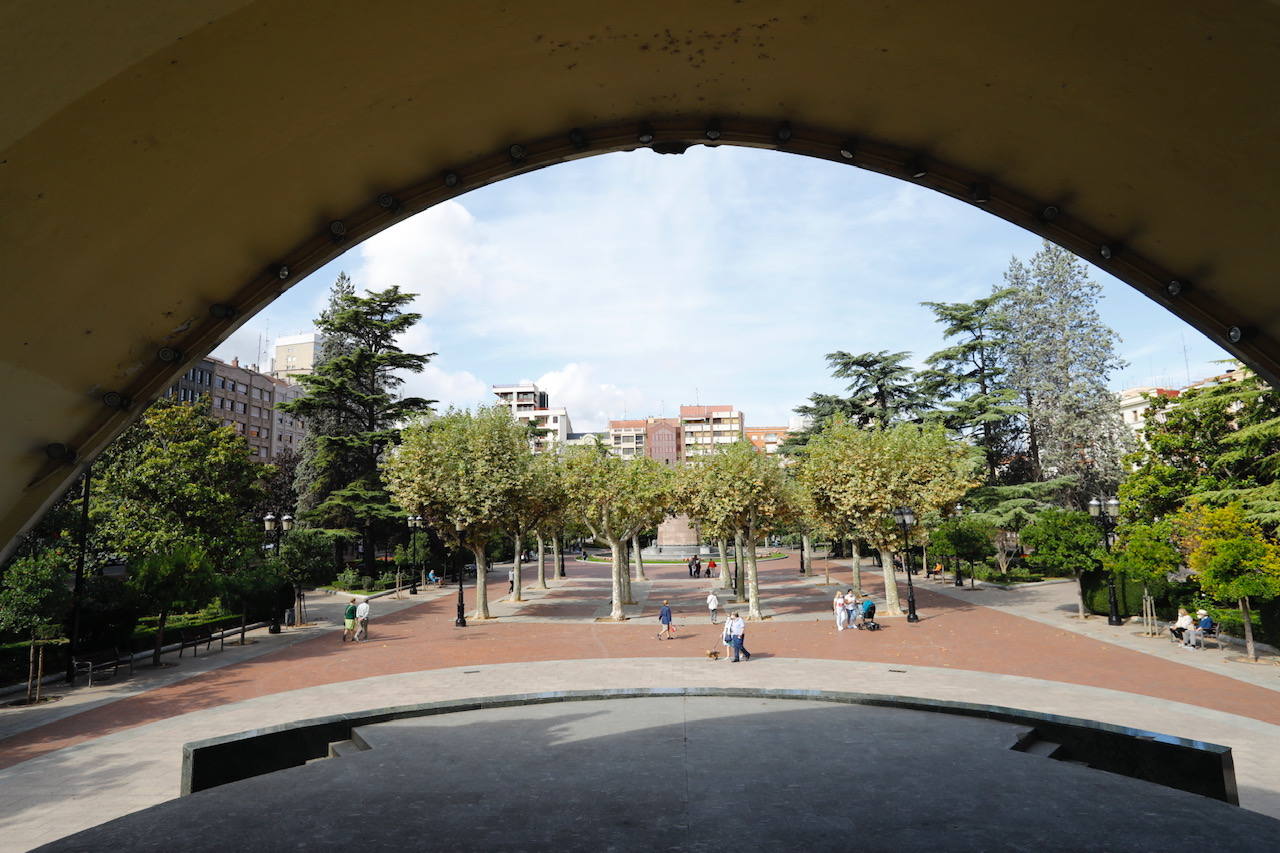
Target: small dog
[713,654]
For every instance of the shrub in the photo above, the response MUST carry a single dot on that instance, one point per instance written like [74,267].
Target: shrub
[348,578]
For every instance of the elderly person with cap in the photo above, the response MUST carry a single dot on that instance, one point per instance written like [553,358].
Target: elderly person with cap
[1195,634]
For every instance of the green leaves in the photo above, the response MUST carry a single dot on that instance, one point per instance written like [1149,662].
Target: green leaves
[353,407]
[1063,542]
[466,473]
[857,476]
[34,595]
[177,477]
[736,490]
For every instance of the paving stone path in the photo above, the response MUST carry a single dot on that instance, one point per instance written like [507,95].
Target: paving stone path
[974,645]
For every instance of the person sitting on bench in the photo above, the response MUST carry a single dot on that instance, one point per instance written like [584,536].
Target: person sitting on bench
[433,578]
[1203,628]
[1179,628]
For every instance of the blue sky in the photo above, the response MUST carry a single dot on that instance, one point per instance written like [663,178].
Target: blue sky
[628,284]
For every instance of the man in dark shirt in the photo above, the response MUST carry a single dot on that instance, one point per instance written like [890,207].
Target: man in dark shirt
[664,616]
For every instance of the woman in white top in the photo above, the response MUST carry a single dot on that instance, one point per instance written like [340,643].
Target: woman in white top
[851,608]
[842,615]
[713,604]
[1179,628]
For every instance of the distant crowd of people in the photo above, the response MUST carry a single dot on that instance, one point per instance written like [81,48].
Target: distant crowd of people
[694,565]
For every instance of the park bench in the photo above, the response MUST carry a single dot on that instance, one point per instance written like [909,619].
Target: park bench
[101,661]
[193,638]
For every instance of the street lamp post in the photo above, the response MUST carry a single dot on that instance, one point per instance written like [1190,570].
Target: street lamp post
[415,524]
[461,620]
[280,526]
[1105,512]
[906,518]
[956,557]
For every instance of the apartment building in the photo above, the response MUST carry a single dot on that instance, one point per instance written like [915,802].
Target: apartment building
[530,404]
[244,399]
[287,431]
[703,428]
[294,355]
[657,438]
[766,439]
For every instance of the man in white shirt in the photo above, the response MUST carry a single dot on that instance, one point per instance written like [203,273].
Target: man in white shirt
[737,630]
[713,604]
[362,620]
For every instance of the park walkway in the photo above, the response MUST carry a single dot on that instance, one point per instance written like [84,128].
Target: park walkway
[65,771]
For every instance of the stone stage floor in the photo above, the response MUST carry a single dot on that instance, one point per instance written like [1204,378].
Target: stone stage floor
[687,773]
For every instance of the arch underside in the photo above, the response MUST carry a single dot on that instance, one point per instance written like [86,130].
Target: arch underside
[160,159]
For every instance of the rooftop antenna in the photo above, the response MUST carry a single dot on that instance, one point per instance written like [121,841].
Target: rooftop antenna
[1185,360]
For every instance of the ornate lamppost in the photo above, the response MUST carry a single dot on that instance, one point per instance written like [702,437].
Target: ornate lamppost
[959,578]
[906,519]
[1105,512]
[279,527]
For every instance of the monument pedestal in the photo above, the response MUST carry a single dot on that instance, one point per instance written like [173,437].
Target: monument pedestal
[677,537]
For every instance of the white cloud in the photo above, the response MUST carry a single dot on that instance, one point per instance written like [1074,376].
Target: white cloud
[632,283]
[590,402]
[460,389]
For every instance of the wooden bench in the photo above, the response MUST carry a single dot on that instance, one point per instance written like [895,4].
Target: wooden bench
[193,638]
[101,661]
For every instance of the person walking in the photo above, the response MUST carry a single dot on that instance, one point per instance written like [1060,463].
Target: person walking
[711,566]
[713,604]
[737,628]
[842,615]
[664,616]
[689,565]
[697,566]
[362,620]
[511,580]
[349,622]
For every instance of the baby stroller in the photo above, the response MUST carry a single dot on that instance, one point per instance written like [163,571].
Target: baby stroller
[868,622]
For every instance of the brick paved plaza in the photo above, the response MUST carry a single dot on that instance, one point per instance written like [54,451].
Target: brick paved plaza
[107,751]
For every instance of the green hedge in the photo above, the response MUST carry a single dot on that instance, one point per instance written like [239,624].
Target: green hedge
[1266,615]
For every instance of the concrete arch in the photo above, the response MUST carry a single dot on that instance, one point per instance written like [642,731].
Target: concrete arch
[161,164]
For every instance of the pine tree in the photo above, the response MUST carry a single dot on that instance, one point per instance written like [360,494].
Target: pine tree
[319,471]
[882,390]
[970,375]
[1060,357]
[355,392]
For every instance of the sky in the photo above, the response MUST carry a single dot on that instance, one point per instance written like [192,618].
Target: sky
[628,284]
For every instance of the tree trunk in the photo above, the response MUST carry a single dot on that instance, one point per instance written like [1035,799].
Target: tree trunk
[724,564]
[516,566]
[542,562]
[557,549]
[806,554]
[1033,440]
[1080,590]
[1249,648]
[155,653]
[857,566]
[616,550]
[626,573]
[40,671]
[370,554]
[753,582]
[31,667]
[482,591]
[891,605]
[739,568]
[635,547]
